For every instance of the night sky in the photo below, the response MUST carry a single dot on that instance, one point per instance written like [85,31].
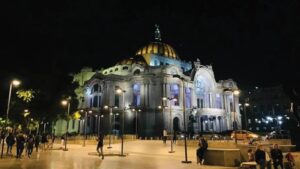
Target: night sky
[256,43]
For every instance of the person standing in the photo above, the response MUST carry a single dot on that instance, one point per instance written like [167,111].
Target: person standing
[277,157]
[30,142]
[37,142]
[250,155]
[165,134]
[203,147]
[174,137]
[10,141]
[100,144]
[260,157]
[20,144]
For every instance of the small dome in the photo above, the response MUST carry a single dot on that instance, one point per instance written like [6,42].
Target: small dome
[158,48]
[132,60]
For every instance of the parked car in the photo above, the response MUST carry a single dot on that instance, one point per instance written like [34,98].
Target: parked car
[278,134]
[244,134]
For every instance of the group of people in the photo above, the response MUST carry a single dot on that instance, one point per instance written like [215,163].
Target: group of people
[264,159]
[25,141]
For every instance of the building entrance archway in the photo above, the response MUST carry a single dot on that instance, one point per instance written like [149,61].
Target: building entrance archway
[176,123]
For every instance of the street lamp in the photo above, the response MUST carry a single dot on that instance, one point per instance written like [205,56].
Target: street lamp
[110,123]
[12,83]
[85,125]
[245,114]
[136,110]
[184,122]
[66,103]
[171,127]
[121,91]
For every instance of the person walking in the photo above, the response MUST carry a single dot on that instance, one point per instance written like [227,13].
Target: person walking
[30,142]
[44,142]
[100,145]
[10,141]
[37,142]
[174,137]
[260,157]
[165,134]
[20,144]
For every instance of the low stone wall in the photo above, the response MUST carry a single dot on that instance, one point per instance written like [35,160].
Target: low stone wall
[222,157]
[91,140]
[225,144]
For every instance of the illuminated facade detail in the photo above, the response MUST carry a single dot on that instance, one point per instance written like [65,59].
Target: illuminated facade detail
[147,78]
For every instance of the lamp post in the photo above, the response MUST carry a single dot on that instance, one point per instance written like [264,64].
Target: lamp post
[85,125]
[66,103]
[245,114]
[171,127]
[110,123]
[12,83]
[184,118]
[119,91]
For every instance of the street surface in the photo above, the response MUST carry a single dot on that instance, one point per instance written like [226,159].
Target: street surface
[140,155]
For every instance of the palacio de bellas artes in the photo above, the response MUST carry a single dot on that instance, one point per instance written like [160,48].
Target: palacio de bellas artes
[157,87]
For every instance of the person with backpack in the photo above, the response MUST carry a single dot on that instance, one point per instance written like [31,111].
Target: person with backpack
[30,143]
[20,144]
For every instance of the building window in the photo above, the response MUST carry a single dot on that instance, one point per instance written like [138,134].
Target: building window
[198,102]
[111,71]
[218,101]
[136,95]
[161,63]
[125,68]
[188,98]
[175,93]
[73,124]
[137,72]
[95,88]
[249,121]
[95,101]
[91,102]
[99,103]
[117,100]
[116,69]
[257,128]
[88,121]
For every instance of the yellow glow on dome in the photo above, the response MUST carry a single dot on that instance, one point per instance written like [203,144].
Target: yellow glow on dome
[158,48]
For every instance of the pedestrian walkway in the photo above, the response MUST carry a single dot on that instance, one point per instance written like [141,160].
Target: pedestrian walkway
[139,154]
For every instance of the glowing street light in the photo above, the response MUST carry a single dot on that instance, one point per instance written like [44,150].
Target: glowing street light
[110,122]
[121,91]
[171,127]
[66,103]
[12,83]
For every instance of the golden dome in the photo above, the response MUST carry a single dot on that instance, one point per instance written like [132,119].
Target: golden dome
[158,48]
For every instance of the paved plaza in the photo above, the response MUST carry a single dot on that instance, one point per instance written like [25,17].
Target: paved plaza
[140,155]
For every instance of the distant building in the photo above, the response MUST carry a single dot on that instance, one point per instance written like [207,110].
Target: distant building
[145,79]
[265,109]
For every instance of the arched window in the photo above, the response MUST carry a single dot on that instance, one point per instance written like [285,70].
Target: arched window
[137,72]
[136,95]
[174,91]
[188,98]
[95,88]
[125,68]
